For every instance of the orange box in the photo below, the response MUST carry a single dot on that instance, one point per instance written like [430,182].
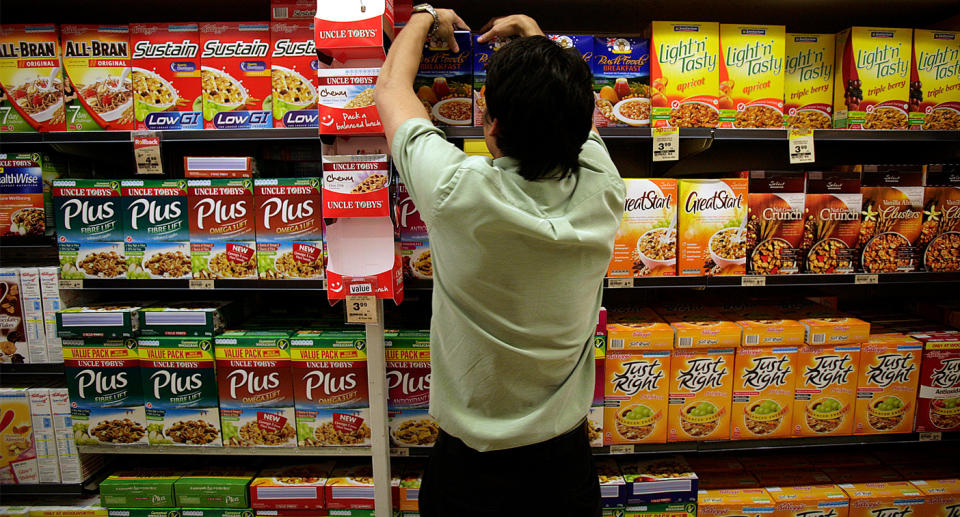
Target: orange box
[838,330]
[809,501]
[704,329]
[825,393]
[890,499]
[635,394]
[763,385]
[728,480]
[766,327]
[637,329]
[646,243]
[755,502]
[942,495]
[701,386]
[887,385]
[711,215]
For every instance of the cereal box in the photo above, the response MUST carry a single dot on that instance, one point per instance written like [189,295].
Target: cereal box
[408,369]
[637,330]
[414,240]
[31,80]
[32,305]
[289,228]
[13,347]
[194,318]
[831,227]
[890,218]
[272,488]
[22,212]
[621,81]
[444,81]
[139,488]
[885,499]
[482,52]
[594,423]
[666,479]
[940,232]
[412,427]
[751,75]
[613,488]
[156,228]
[887,386]
[711,234]
[938,404]
[292,10]
[89,228]
[872,80]
[100,320]
[256,388]
[599,357]
[215,488]
[235,75]
[701,387]
[106,393]
[809,501]
[808,81]
[646,242]
[293,73]
[685,74]
[345,101]
[350,487]
[835,330]
[636,395]
[775,228]
[44,437]
[767,327]
[96,62]
[755,502]
[942,496]
[166,76]
[825,393]
[764,379]
[222,228]
[935,65]
[703,329]
[18,454]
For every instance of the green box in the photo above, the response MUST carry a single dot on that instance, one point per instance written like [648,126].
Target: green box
[215,488]
[216,512]
[103,320]
[205,318]
[139,489]
[143,512]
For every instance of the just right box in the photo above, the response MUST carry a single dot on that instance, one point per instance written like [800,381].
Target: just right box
[89,228]
[872,79]
[825,391]
[934,92]
[938,403]
[887,385]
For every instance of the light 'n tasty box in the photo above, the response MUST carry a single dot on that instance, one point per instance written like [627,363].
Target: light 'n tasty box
[935,66]
[139,489]
[775,227]
[751,75]
[271,489]
[887,385]
[96,64]
[214,488]
[942,496]
[734,502]
[100,320]
[710,215]
[831,226]
[289,228]
[891,217]
[235,75]
[22,211]
[809,501]
[646,241]
[30,79]
[621,81]
[89,215]
[808,81]
[701,390]
[938,403]
[636,395]
[885,499]
[18,456]
[414,240]
[293,74]
[14,347]
[444,81]
[871,84]
[667,479]
[940,233]
[222,228]
[825,394]
[684,74]
[183,319]
[763,392]
[166,76]
[156,229]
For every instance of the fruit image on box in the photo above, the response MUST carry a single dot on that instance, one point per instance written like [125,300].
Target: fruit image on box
[684,74]
[156,229]
[872,80]
[96,64]
[751,75]
[289,228]
[30,79]
[938,403]
[235,75]
[621,81]
[166,76]
[636,393]
[646,242]
[934,101]
[808,81]
[887,386]
[763,392]
[293,74]
[825,392]
[89,217]
[222,228]
[711,235]
[701,387]
[444,81]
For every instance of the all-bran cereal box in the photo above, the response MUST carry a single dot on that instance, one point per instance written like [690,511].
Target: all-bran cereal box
[99,89]
[22,211]
[831,227]
[764,379]
[825,392]
[646,242]
[636,393]
[890,219]
[872,80]
[887,385]
[775,228]
[809,501]
[751,75]
[106,393]
[156,228]
[711,235]
[30,78]
[289,228]
[222,228]
[444,81]
[755,502]
[256,388]
[235,75]
[885,499]
[940,232]
[89,228]
[701,387]
[293,73]
[166,76]
[621,81]
[414,240]
[808,81]
[685,74]
[345,101]
[938,403]
[934,76]
[942,496]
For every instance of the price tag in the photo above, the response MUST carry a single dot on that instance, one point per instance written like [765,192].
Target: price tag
[801,145]
[622,449]
[666,144]
[146,152]
[931,437]
[753,281]
[71,283]
[866,279]
[400,451]
[361,309]
[619,282]
[200,284]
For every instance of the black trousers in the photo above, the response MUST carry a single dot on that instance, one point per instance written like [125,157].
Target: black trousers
[556,478]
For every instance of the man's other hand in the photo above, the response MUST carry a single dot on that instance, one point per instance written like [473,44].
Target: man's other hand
[506,26]
[448,21]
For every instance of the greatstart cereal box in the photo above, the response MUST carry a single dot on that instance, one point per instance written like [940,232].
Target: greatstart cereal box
[711,227]
[885,499]
[636,393]
[764,380]
[935,70]
[235,75]
[887,385]
[831,228]
[22,211]
[30,79]
[96,61]
[646,242]
[701,389]
[621,81]
[751,75]
[156,228]
[890,219]
[444,81]
[809,501]
[808,81]
[222,228]
[872,80]
[684,74]
[166,76]
[825,392]
[775,228]
[938,403]
[940,233]
[293,74]
[289,228]
[89,228]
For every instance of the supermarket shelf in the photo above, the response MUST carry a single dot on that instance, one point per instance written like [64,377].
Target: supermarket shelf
[178,285]
[225,451]
[31,371]
[780,444]
[72,489]
[103,137]
[784,280]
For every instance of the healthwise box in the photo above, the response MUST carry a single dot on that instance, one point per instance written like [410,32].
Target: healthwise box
[22,211]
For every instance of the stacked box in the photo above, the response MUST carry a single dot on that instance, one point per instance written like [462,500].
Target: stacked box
[684,74]
[350,487]
[621,81]
[18,456]
[151,488]
[646,243]
[934,98]
[45,439]
[885,498]
[13,346]
[728,503]
[96,62]
[214,488]
[808,82]
[166,76]
[763,392]
[222,228]
[235,75]
[938,403]
[32,303]
[22,212]
[101,320]
[872,79]
[156,229]
[67,457]
[667,479]
[751,75]
[271,489]
[444,81]
[293,73]
[89,228]
[408,389]
[289,228]
[775,227]
[200,318]
[414,240]
[809,501]
[891,217]
[33,99]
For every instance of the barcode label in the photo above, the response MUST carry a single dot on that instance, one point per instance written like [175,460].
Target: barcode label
[685,341]
[616,344]
[622,449]
[280,13]
[819,338]
[753,339]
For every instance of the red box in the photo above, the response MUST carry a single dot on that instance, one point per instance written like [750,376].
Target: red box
[235,75]
[348,31]
[217,167]
[294,65]
[166,76]
[294,487]
[222,228]
[350,487]
[938,401]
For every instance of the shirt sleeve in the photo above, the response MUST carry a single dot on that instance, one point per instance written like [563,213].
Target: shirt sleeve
[595,156]
[426,161]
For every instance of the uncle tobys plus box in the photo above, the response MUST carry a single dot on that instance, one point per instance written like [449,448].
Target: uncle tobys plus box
[289,228]
[293,74]
[96,60]
[89,228]
[30,79]
[156,228]
[166,76]
[222,228]
[235,75]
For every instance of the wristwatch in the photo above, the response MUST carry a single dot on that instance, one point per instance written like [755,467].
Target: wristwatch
[427,8]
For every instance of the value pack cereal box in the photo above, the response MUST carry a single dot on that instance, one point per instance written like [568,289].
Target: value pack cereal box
[701,389]
[735,502]
[712,215]
[96,62]
[256,388]
[890,219]
[831,227]
[408,369]
[621,81]
[940,233]
[808,81]
[89,217]
[938,403]
[235,75]
[751,75]
[636,393]
[194,318]
[667,479]
[942,496]
[106,393]
[775,226]
[30,79]
[166,76]
[156,228]
[885,499]
[18,456]
[887,385]
[414,240]
[180,391]
[222,228]
[293,74]
[646,242]
[139,488]
[685,74]
[345,101]
[223,487]
[289,228]
[935,70]
[444,81]
[271,488]
[764,379]
[482,52]
[22,212]
[872,80]
[809,501]
[826,390]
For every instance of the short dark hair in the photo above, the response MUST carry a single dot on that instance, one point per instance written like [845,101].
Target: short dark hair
[542,98]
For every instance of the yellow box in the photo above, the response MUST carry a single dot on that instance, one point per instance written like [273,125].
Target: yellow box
[808,83]
[751,75]
[704,330]
[871,84]
[894,498]
[755,502]
[646,242]
[825,393]
[764,327]
[637,329]
[839,330]
[935,103]
[887,385]
[635,394]
[711,214]
[763,385]
[942,496]
[18,453]
[701,386]
[684,74]
[809,501]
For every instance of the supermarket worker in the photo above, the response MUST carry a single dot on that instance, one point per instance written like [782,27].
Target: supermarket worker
[520,246]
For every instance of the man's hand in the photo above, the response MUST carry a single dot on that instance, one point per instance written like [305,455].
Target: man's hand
[447,22]
[506,26]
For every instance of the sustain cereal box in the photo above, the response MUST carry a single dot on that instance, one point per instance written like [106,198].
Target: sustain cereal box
[871,85]
[289,228]
[222,228]
[764,379]
[711,235]
[22,211]
[646,242]
[684,74]
[235,75]
[831,227]
[444,81]
[156,228]
[89,218]
[751,75]
[96,62]
[890,219]
[293,74]
[826,390]
[701,389]
[940,233]
[934,90]
[636,393]
[775,228]
[621,81]
[166,76]
[808,81]
[30,79]
[938,403]
[887,385]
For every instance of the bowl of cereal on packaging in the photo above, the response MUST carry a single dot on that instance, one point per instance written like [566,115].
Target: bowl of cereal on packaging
[633,111]
[728,247]
[293,91]
[167,264]
[221,92]
[657,248]
[102,263]
[152,93]
[414,431]
[455,111]
[886,413]
[40,97]
[636,422]
[945,413]
[694,114]
[700,419]
[764,416]
[825,415]
[110,97]
[422,264]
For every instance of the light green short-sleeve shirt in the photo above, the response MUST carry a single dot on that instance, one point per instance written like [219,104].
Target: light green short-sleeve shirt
[518,271]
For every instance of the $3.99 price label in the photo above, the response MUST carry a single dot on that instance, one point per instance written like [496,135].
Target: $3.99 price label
[800,142]
[666,144]
[361,309]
